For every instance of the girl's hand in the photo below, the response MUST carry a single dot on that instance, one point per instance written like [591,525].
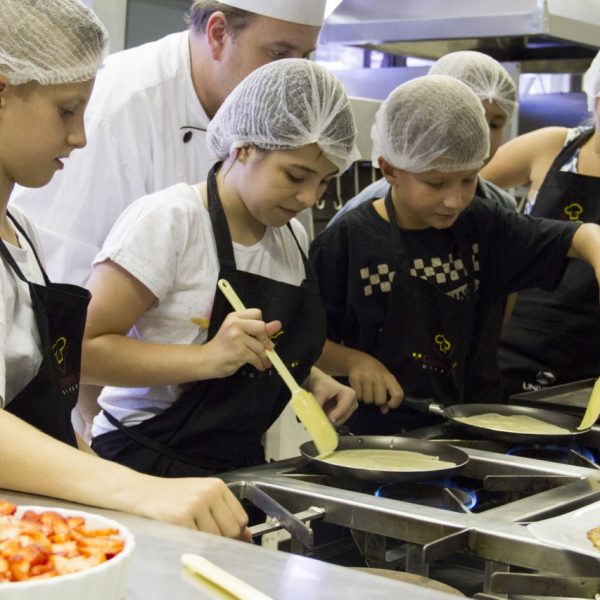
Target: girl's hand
[242,339]
[203,503]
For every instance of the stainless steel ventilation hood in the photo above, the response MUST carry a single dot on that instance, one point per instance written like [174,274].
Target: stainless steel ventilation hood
[543,35]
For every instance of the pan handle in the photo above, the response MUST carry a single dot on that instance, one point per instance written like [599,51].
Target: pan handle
[343,430]
[424,405]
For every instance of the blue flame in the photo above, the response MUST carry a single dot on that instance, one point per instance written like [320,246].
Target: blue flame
[440,484]
[472,494]
[583,451]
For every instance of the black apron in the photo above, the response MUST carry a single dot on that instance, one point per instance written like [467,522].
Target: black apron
[216,425]
[483,378]
[554,337]
[425,348]
[60,310]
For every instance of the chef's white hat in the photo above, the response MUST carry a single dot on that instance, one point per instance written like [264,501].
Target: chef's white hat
[305,12]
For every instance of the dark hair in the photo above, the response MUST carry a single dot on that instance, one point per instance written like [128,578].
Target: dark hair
[201,10]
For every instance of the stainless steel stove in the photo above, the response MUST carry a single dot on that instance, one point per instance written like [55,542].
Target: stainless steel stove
[473,535]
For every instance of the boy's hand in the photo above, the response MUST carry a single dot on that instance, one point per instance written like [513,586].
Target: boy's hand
[373,382]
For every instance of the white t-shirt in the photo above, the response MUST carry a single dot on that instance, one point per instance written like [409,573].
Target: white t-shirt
[166,241]
[20,349]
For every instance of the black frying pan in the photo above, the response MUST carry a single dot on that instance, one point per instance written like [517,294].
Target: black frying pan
[452,413]
[380,442]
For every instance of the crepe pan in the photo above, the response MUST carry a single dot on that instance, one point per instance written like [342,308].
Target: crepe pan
[455,411]
[384,442]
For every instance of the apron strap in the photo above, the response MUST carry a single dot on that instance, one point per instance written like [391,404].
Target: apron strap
[219,221]
[309,272]
[222,232]
[569,149]
[8,257]
[150,443]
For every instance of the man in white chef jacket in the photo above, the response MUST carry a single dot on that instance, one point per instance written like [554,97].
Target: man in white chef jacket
[147,118]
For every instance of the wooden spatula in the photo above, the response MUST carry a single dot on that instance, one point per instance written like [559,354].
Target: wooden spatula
[592,412]
[304,404]
[212,575]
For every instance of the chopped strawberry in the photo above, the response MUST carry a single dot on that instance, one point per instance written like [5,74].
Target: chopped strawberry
[46,544]
[6,508]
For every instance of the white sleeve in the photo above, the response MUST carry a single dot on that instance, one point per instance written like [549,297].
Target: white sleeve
[76,210]
[148,240]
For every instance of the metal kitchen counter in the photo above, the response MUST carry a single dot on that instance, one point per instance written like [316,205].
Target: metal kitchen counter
[156,571]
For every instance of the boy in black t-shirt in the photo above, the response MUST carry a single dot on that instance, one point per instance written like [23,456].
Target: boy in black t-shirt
[408,281]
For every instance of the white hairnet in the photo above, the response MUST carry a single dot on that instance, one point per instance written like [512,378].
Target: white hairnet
[283,105]
[591,83]
[50,41]
[431,122]
[484,75]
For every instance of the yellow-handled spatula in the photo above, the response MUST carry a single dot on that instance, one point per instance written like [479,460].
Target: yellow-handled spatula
[304,404]
[592,412]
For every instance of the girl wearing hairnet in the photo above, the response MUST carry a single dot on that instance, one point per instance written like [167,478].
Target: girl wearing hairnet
[408,281]
[189,389]
[45,83]
[553,337]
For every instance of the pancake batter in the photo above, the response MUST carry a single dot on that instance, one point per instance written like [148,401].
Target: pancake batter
[513,424]
[387,460]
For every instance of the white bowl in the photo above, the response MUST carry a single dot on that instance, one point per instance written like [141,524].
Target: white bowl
[107,581]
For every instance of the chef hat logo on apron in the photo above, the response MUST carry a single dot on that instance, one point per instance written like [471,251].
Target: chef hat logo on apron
[304,12]
[440,360]
[443,345]
[59,350]
[68,379]
[573,211]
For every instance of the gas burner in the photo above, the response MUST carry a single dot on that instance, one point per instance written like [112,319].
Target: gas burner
[337,522]
[445,494]
[565,454]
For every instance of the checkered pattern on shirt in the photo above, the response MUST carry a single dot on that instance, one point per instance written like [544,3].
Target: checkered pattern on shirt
[443,272]
[448,274]
[380,280]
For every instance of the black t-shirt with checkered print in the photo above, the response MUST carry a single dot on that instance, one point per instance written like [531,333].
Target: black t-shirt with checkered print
[353,261]
[432,257]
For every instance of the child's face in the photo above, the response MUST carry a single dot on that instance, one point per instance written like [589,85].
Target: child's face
[39,127]
[277,185]
[496,119]
[432,198]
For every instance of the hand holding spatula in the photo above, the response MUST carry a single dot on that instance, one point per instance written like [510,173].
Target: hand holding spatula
[304,404]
